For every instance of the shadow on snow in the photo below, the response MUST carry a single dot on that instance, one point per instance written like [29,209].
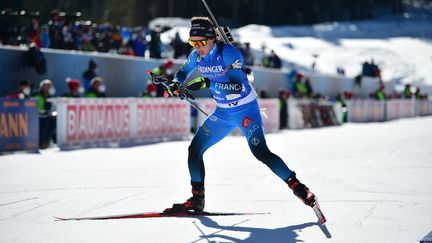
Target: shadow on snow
[286,234]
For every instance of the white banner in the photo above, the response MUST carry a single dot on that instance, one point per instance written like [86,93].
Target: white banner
[105,122]
[400,109]
[424,108]
[360,110]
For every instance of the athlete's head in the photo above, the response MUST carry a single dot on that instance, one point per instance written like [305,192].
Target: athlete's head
[202,35]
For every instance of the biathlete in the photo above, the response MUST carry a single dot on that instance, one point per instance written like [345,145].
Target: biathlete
[223,72]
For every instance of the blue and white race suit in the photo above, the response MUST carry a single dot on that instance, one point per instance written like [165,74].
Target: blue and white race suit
[236,107]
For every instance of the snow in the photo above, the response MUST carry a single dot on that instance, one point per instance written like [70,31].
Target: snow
[403,50]
[373,182]
[401,47]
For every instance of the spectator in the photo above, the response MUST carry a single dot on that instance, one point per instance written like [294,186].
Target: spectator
[45,37]
[283,109]
[309,89]
[248,55]
[127,49]
[47,122]
[340,98]
[33,33]
[340,71]
[104,39]
[46,90]
[407,92]
[376,71]
[366,69]
[74,88]
[379,94]
[155,46]
[265,60]
[151,90]
[180,48]
[117,38]
[300,89]
[87,38]
[419,95]
[371,69]
[97,88]
[5,27]
[24,91]
[139,45]
[263,94]
[55,30]
[275,61]
[69,42]
[89,74]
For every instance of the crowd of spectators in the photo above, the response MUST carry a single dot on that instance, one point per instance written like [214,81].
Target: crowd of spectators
[67,31]
[408,92]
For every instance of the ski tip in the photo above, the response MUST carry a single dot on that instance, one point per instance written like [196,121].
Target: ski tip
[148,71]
[58,218]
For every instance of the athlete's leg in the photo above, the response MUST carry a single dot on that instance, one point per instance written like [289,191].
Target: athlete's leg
[214,128]
[251,126]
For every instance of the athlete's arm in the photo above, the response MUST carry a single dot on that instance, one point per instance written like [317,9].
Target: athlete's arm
[187,68]
[232,56]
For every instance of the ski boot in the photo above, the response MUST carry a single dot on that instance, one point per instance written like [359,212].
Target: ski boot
[194,205]
[300,190]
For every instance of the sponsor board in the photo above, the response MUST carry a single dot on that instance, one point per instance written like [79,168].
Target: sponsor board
[120,122]
[19,125]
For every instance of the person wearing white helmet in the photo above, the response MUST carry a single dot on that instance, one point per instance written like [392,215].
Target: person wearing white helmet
[97,88]
[46,90]
[47,121]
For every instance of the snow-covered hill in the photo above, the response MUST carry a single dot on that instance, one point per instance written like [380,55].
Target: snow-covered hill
[401,47]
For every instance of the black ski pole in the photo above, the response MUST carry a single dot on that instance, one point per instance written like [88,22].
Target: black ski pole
[227,39]
[220,30]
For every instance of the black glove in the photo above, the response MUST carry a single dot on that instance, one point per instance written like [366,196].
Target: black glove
[183,93]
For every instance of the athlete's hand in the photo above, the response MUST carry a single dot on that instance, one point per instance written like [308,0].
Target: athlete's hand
[171,89]
[175,89]
[183,93]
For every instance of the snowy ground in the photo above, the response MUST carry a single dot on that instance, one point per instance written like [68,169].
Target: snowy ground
[373,181]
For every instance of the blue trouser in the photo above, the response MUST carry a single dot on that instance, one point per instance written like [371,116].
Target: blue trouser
[219,124]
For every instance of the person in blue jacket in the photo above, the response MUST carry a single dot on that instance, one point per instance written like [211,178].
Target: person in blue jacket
[223,72]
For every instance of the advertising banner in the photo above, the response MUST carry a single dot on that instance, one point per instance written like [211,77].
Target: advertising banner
[400,109]
[424,108]
[120,121]
[19,125]
[360,110]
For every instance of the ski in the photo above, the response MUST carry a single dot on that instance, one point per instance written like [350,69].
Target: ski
[155,215]
[317,210]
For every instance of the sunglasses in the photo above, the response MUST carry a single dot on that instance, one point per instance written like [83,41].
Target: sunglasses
[199,43]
